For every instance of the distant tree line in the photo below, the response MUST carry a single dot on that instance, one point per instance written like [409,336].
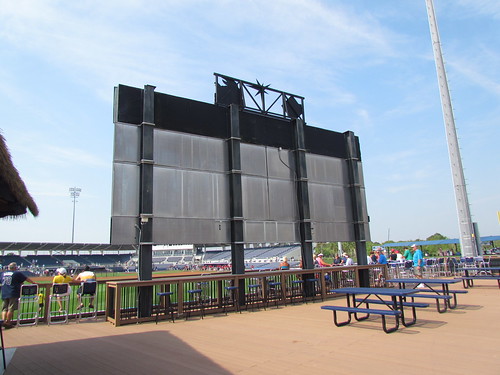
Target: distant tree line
[330,249]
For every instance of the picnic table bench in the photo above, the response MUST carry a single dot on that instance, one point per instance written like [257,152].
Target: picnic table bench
[442,294]
[367,312]
[405,303]
[481,273]
[468,281]
[437,297]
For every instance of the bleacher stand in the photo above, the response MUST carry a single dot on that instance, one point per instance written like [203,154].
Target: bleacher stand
[75,259]
[21,262]
[43,261]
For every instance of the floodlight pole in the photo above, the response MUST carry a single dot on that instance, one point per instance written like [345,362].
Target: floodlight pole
[74,192]
[467,243]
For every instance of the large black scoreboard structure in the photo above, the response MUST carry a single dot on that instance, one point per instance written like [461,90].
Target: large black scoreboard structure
[244,170]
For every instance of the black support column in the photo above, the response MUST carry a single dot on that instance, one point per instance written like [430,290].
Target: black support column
[360,235]
[235,192]
[236,199]
[303,195]
[145,219]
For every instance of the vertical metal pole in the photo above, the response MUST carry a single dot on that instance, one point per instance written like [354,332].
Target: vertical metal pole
[467,243]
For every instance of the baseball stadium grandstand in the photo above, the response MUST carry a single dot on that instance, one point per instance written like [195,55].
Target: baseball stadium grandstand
[44,258]
[263,257]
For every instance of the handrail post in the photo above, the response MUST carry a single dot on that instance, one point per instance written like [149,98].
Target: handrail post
[117,302]
[180,298]
[283,278]
[323,284]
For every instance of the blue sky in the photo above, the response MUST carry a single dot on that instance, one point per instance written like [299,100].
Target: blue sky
[362,65]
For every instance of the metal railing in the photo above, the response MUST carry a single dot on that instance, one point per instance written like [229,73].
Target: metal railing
[43,305]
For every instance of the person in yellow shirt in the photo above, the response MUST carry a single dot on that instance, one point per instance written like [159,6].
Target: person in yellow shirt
[41,299]
[62,278]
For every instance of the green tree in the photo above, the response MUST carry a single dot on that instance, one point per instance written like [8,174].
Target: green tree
[330,249]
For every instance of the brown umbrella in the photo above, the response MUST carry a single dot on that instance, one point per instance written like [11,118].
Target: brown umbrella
[14,197]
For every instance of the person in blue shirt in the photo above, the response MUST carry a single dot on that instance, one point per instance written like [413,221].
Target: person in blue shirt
[381,257]
[418,261]
[11,291]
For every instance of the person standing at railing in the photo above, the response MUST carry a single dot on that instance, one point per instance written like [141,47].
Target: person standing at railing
[284,265]
[41,300]
[381,259]
[11,291]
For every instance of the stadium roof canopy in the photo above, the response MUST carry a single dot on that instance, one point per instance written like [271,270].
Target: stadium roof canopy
[437,242]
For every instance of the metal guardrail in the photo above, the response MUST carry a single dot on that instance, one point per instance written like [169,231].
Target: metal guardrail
[43,305]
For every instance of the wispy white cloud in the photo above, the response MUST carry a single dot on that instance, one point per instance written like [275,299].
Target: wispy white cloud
[392,156]
[489,8]
[54,155]
[39,188]
[287,35]
[480,69]
[102,48]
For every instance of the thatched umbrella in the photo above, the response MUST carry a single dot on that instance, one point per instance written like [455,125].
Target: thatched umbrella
[14,197]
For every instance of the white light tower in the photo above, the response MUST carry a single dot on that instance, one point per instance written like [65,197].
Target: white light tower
[466,227]
[74,192]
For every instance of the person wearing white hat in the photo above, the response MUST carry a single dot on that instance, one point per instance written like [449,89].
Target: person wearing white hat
[348,260]
[62,278]
[321,262]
